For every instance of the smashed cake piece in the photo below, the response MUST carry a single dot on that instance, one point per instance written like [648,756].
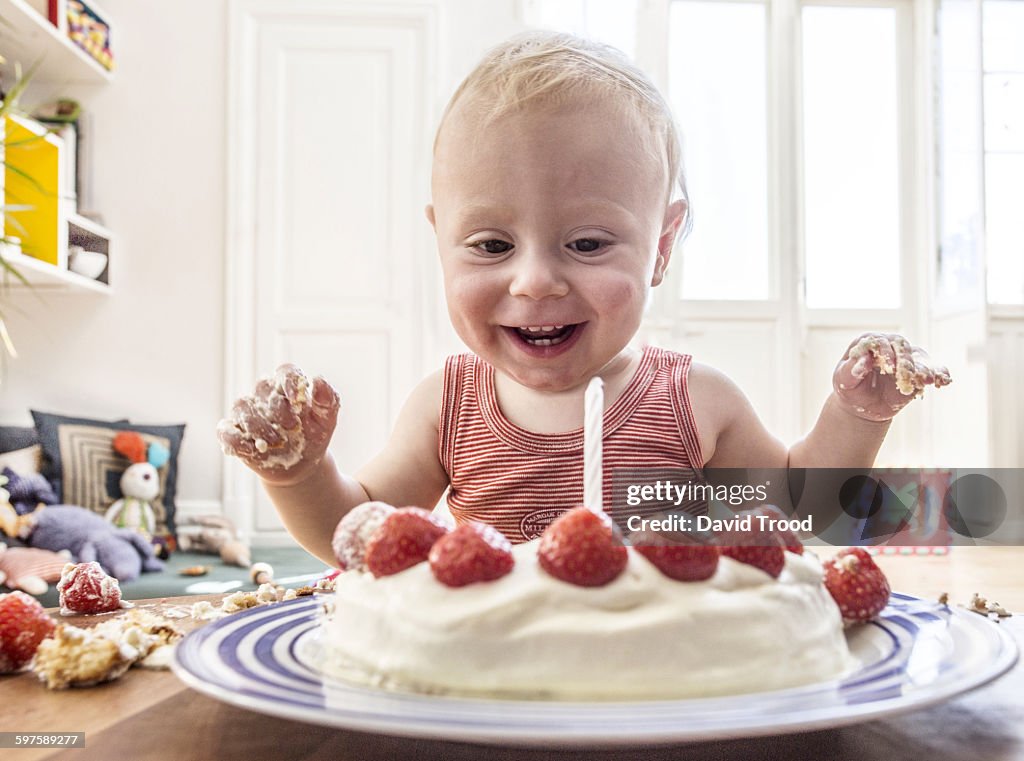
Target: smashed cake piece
[77,657]
[194,570]
[266,594]
[869,351]
[987,608]
[239,601]
[911,370]
[205,611]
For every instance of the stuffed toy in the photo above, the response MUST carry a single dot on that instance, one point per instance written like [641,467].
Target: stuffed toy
[27,492]
[11,523]
[122,553]
[140,483]
[216,535]
[30,569]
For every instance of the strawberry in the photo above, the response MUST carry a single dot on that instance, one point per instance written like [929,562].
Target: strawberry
[683,560]
[582,548]
[858,586]
[85,588]
[472,552]
[354,531]
[789,539]
[402,540]
[760,548]
[769,559]
[24,623]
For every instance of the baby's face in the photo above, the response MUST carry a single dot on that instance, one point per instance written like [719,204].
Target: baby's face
[549,219]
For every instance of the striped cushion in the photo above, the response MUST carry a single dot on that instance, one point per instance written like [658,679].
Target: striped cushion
[80,462]
[19,562]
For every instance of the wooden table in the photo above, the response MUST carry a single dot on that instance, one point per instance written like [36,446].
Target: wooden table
[151,715]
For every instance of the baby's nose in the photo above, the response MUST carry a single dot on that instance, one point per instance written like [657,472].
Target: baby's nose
[537,277]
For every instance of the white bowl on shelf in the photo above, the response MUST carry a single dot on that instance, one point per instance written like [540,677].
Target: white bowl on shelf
[88,264]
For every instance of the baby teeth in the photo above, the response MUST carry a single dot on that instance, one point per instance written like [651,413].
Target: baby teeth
[543,329]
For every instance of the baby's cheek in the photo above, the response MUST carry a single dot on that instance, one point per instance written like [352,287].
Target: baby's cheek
[623,293]
[467,292]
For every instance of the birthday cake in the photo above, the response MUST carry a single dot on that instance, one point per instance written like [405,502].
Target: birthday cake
[575,615]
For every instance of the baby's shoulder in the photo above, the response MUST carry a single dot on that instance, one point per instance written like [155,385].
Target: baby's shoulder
[715,399]
[711,384]
[429,391]
[423,403]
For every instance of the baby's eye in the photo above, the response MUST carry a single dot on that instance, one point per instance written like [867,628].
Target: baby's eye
[494,247]
[587,245]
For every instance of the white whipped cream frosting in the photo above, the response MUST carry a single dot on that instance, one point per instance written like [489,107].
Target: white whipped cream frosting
[643,636]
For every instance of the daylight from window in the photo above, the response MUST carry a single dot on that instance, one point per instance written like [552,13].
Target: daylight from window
[851,161]
[717,86]
[1003,62]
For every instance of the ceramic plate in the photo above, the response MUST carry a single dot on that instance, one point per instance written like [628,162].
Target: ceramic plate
[917,653]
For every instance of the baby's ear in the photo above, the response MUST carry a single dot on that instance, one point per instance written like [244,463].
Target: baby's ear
[430,214]
[674,216]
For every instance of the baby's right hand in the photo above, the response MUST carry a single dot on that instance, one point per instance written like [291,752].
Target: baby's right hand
[281,431]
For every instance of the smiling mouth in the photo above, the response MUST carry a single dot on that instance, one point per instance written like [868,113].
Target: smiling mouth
[545,335]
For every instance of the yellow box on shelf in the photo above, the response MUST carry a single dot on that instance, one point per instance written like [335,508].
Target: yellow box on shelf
[33,186]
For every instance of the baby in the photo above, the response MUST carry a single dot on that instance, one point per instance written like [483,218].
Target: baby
[557,199]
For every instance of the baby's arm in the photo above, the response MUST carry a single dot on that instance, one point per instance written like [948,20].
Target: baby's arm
[734,442]
[877,376]
[282,431]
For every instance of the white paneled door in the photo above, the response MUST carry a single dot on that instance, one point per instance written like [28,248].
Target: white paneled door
[328,148]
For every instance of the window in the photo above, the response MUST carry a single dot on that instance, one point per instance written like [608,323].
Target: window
[718,91]
[836,203]
[851,157]
[1003,87]
[610,21]
[960,174]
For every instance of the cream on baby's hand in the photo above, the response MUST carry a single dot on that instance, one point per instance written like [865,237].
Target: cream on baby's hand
[282,429]
[881,373]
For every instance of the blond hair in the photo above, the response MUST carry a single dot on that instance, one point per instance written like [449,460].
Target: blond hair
[554,68]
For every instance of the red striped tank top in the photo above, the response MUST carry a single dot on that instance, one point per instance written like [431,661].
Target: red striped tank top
[519,481]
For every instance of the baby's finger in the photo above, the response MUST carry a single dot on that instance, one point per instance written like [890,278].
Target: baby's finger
[325,396]
[850,373]
[251,421]
[293,383]
[264,388]
[234,441]
[869,352]
[863,337]
[885,355]
[926,372]
[282,413]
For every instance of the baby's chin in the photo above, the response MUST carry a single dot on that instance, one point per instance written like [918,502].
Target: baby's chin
[558,378]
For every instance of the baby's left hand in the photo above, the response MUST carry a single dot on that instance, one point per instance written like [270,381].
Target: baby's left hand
[881,373]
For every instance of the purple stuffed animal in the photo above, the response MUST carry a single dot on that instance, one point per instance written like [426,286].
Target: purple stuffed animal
[123,553]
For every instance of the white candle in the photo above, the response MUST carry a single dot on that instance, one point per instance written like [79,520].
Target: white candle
[593,412]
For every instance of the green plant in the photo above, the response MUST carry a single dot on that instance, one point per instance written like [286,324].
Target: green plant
[8,106]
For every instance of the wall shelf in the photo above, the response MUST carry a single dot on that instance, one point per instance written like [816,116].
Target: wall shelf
[47,276]
[28,37]
[47,221]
